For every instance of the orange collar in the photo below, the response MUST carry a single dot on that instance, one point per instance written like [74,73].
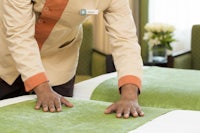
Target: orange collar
[48,18]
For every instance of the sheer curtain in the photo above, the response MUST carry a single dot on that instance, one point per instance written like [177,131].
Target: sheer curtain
[180,13]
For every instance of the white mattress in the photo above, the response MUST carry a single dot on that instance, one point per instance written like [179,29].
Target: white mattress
[178,121]
[16,100]
[84,89]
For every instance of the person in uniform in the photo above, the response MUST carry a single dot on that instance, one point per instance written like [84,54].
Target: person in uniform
[39,50]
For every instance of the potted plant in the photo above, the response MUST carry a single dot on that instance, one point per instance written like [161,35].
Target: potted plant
[159,37]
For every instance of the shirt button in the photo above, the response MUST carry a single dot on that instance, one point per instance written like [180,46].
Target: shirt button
[46,9]
[40,21]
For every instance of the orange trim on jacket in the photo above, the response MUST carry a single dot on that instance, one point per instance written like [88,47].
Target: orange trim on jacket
[129,79]
[50,15]
[34,81]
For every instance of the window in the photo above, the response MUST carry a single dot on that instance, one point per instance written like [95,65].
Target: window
[180,13]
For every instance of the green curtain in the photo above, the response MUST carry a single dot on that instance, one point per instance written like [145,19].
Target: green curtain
[143,19]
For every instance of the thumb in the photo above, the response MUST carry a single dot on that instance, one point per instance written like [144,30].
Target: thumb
[110,109]
[66,102]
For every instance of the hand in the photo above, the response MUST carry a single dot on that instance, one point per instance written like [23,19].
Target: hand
[48,99]
[128,103]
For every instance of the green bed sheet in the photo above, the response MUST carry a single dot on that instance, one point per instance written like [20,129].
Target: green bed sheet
[85,117]
[162,87]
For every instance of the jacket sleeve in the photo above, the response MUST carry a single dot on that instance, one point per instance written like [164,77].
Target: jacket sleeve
[126,52]
[19,27]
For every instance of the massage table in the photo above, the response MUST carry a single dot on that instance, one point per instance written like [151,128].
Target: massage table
[92,96]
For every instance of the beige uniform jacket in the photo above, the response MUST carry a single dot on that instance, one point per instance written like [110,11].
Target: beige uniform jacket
[40,40]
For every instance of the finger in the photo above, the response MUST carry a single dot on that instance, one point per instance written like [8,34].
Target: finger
[127,113]
[110,109]
[140,112]
[38,105]
[58,105]
[51,107]
[119,112]
[66,102]
[45,107]
[134,112]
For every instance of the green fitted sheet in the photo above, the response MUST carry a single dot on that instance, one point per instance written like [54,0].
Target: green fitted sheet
[162,87]
[85,117]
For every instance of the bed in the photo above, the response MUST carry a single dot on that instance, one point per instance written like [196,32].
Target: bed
[169,98]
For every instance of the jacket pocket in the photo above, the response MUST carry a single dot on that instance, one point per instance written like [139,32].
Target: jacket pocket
[67,43]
